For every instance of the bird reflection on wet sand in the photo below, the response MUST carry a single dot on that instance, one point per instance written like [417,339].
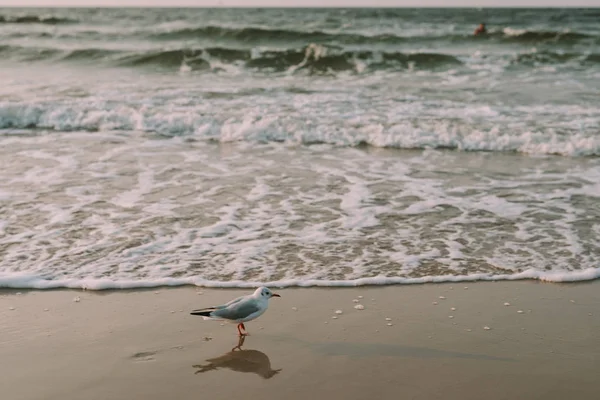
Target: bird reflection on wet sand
[241,360]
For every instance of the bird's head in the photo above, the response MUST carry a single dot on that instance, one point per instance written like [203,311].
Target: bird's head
[265,292]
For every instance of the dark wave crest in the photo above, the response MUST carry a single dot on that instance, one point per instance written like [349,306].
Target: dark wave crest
[35,19]
[550,57]
[247,34]
[168,59]
[89,54]
[264,35]
[313,58]
[529,37]
[26,54]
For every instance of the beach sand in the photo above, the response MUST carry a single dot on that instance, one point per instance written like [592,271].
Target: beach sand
[143,344]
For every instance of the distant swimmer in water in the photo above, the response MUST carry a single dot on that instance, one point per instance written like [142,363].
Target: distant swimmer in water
[480,30]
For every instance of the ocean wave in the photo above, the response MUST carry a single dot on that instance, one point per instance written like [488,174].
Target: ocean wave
[253,36]
[526,36]
[551,57]
[593,58]
[95,116]
[314,58]
[272,36]
[36,19]
[28,54]
[275,36]
[31,281]
[318,58]
[250,34]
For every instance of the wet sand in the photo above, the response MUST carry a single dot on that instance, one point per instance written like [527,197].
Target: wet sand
[145,345]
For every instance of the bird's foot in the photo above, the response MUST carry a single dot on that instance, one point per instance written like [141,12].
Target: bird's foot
[240,343]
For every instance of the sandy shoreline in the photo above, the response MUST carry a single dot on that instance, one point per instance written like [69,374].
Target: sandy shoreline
[144,344]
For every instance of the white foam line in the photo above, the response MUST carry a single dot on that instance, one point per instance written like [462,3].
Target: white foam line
[28,281]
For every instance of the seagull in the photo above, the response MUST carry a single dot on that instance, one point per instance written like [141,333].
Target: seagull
[240,310]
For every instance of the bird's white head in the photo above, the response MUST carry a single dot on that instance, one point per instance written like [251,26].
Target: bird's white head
[264,292]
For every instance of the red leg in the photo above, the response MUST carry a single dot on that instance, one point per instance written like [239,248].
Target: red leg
[241,325]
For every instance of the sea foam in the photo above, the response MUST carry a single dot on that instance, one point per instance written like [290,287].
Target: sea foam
[26,281]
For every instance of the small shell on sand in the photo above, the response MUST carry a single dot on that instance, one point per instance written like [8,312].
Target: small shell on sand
[487,328]
[11,308]
[442,297]
[77,299]
[45,309]
[520,311]
[435,303]
[359,307]
[295,308]
[469,330]
[453,308]
[388,319]
[339,312]
[466,288]
[389,324]
[355,301]
[360,297]
[450,316]
[572,301]
[507,304]
[156,292]
[334,317]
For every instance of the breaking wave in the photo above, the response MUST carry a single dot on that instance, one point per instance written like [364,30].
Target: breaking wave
[35,19]
[274,36]
[314,58]
[93,116]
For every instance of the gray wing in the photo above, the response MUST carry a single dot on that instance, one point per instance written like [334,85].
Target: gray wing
[222,306]
[233,301]
[237,310]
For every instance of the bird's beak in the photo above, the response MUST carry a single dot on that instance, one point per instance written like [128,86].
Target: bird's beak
[275,295]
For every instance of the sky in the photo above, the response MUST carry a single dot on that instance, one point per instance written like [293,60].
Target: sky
[302,3]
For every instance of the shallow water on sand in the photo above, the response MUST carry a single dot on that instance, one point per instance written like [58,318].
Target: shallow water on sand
[139,210]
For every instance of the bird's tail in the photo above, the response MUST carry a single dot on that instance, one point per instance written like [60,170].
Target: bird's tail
[205,312]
